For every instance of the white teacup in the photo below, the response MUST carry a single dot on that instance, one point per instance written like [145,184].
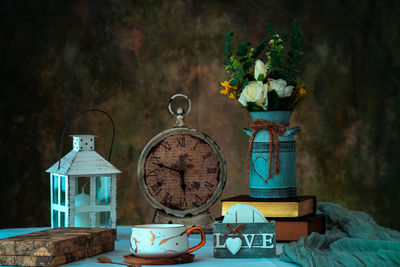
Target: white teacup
[162,240]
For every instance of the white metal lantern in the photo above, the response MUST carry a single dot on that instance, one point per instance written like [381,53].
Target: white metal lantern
[83,188]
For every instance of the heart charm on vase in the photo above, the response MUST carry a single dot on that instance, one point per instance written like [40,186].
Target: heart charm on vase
[233,244]
[260,173]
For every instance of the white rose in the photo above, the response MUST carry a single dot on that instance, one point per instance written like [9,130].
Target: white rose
[260,68]
[281,88]
[256,92]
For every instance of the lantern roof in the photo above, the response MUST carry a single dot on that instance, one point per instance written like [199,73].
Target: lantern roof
[83,160]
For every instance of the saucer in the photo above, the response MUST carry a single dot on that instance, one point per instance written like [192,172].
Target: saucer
[184,258]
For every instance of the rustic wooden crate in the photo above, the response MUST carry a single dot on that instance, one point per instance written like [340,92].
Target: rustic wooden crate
[57,246]
[260,236]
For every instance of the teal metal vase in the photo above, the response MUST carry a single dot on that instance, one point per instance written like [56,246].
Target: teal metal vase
[279,185]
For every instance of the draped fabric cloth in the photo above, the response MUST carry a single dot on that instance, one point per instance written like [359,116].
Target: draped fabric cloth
[352,239]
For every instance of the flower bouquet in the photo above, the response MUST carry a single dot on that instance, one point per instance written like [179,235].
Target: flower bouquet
[272,85]
[263,80]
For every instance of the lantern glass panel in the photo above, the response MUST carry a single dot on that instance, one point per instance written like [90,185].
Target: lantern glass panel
[103,219]
[103,190]
[82,219]
[62,190]
[82,198]
[82,186]
[55,189]
[55,218]
[62,219]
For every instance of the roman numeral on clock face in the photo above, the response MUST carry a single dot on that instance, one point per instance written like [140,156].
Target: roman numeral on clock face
[198,201]
[156,188]
[155,159]
[211,170]
[181,142]
[152,173]
[206,156]
[167,198]
[166,146]
[182,202]
[208,185]
[198,198]
[194,148]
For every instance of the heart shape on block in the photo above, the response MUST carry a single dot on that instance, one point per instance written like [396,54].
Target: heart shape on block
[233,244]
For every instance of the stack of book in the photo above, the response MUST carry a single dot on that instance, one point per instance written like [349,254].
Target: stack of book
[294,217]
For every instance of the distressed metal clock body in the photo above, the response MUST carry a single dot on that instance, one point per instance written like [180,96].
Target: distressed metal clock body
[181,173]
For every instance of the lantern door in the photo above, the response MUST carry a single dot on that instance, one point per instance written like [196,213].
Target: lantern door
[59,200]
[94,201]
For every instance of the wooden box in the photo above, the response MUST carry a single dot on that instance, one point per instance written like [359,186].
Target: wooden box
[56,246]
[258,240]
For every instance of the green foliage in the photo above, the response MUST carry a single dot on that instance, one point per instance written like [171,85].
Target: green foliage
[228,49]
[245,83]
[276,51]
[259,49]
[284,63]
[295,40]
[247,65]
[232,66]
[291,79]
[273,100]
[242,50]
[233,82]
[253,106]
[260,77]
[284,103]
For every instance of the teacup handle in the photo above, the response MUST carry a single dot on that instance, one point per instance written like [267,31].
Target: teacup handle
[203,238]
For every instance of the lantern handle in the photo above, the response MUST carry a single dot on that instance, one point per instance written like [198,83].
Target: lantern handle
[76,116]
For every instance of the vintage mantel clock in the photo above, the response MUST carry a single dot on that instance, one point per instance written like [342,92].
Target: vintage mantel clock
[181,173]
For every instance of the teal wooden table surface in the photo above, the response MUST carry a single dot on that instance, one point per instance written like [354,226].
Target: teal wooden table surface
[203,256]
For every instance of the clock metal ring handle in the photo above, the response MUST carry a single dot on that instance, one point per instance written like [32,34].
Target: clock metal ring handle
[179,111]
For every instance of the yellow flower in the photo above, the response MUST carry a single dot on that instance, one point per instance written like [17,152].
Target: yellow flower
[228,89]
[302,91]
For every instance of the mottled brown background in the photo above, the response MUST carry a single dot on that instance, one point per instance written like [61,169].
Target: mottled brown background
[129,57]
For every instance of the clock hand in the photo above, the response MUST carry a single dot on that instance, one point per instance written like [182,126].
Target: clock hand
[181,174]
[183,185]
[164,166]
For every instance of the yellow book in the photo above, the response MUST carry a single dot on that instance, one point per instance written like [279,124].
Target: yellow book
[275,207]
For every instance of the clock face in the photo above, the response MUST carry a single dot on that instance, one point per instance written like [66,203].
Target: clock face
[181,172]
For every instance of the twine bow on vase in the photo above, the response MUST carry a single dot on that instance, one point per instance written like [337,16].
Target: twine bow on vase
[274,129]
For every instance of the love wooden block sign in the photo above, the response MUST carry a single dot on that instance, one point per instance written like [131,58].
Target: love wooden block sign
[244,240]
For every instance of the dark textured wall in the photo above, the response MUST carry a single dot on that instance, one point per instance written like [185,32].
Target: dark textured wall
[129,57]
